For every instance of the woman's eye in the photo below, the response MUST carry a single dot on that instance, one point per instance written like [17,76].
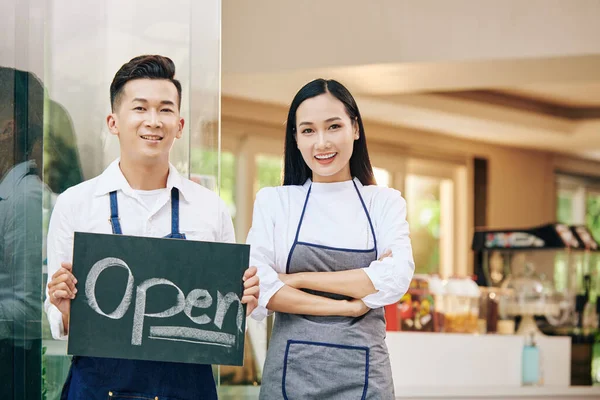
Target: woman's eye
[334,126]
[307,130]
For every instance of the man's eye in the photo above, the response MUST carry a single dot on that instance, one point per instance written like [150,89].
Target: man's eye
[139,108]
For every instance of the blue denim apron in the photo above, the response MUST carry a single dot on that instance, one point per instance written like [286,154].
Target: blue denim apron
[96,378]
[329,357]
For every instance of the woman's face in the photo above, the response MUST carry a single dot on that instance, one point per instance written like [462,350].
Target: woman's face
[325,136]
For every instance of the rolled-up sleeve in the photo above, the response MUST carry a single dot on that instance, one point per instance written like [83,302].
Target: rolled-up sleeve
[262,251]
[60,249]
[391,276]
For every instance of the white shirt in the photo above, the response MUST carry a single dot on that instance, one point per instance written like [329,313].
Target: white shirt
[151,197]
[334,217]
[86,208]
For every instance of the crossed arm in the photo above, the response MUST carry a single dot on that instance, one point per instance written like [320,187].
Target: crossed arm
[352,283]
[381,283]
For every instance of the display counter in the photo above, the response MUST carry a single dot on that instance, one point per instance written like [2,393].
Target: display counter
[460,366]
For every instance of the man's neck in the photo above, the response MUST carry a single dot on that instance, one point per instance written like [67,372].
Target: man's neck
[145,177]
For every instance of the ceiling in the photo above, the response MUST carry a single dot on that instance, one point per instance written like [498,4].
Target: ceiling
[583,94]
[517,73]
[547,104]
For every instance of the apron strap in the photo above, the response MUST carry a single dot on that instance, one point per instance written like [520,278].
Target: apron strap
[116,225]
[289,259]
[114,214]
[302,215]
[287,268]
[175,212]
[361,202]
[368,217]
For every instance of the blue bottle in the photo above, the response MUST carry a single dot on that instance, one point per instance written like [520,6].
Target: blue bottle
[531,363]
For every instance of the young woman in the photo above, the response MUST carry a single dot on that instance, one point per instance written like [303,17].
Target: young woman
[331,250]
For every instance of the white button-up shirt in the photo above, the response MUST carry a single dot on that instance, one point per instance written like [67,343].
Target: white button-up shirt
[86,208]
[334,217]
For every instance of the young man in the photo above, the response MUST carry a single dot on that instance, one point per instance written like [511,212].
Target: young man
[138,194]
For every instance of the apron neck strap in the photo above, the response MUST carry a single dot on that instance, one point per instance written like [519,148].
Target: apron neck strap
[174,211]
[368,217]
[361,202]
[115,220]
[114,214]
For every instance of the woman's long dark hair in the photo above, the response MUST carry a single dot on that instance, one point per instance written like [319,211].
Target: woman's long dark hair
[295,170]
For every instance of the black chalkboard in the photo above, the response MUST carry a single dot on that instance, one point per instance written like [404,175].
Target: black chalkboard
[158,299]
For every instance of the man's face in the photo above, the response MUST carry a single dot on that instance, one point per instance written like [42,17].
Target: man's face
[146,120]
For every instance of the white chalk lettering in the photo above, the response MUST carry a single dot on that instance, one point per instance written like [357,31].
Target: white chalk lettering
[140,307]
[196,298]
[199,298]
[183,334]
[223,304]
[90,287]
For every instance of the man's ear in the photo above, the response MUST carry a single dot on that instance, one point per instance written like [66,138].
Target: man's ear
[111,122]
[180,128]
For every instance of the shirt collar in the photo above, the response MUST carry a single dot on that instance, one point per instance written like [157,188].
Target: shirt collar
[112,179]
[355,179]
[13,177]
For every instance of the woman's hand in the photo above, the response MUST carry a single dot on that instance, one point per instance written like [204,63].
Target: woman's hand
[357,308]
[292,280]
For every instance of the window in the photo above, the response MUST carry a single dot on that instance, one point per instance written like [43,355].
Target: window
[423,197]
[268,171]
[578,202]
[382,176]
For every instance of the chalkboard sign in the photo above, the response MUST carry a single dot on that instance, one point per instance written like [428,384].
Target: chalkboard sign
[158,299]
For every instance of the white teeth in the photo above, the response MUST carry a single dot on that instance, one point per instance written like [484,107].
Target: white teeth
[151,137]
[325,156]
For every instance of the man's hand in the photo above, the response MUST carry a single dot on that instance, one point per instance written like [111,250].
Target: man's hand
[251,290]
[61,290]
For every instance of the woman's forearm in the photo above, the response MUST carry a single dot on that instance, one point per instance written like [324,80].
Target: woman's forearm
[352,283]
[294,301]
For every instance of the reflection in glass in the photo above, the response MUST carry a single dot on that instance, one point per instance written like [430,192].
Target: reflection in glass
[21,130]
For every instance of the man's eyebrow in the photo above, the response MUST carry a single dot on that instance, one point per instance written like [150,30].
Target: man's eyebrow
[142,100]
